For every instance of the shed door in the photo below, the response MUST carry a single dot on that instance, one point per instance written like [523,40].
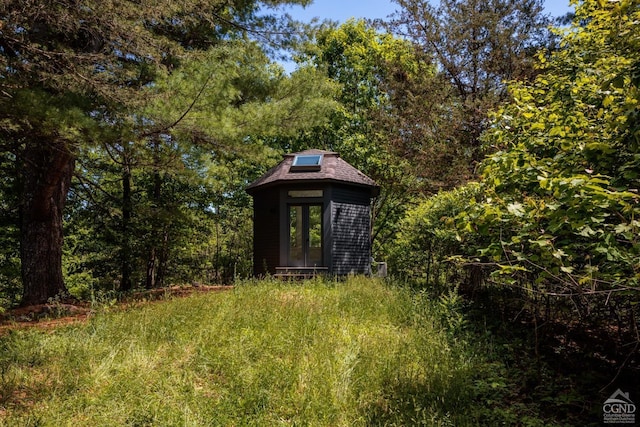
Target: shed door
[305,235]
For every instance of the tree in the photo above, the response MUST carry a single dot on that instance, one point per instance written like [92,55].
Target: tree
[250,99]
[361,60]
[554,219]
[477,46]
[170,205]
[9,230]
[70,71]
[561,205]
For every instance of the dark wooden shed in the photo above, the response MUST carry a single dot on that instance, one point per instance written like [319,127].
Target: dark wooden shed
[312,213]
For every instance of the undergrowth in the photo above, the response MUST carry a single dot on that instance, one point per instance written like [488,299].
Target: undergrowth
[358,352]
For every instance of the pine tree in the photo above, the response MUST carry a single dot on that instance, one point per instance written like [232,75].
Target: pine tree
[73,73]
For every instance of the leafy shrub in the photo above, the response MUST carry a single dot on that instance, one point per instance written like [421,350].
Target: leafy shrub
[561,201]
[429,236]
[556,215]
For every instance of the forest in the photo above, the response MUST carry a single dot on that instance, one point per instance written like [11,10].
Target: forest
[506,144]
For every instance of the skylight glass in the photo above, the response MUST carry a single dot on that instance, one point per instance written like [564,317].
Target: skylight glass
[307,162]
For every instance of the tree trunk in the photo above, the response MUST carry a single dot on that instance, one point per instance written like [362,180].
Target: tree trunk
[151,269]
[152,262]
[127,209]
[47,173]
[163,258]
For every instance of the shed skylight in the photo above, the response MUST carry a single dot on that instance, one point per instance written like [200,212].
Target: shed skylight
[307,162]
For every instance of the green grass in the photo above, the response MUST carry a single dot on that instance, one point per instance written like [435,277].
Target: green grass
[359,352]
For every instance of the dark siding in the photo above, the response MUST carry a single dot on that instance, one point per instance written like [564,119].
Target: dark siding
[346,227]
[351,195]
[351,251]
[266,228]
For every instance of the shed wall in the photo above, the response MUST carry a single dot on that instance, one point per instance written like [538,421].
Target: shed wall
[351,242]
[266,232]
[351,195]
[346,227]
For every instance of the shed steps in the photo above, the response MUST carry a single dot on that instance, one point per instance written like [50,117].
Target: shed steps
[295,273]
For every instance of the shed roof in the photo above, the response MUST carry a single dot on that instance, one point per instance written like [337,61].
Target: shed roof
[332,169]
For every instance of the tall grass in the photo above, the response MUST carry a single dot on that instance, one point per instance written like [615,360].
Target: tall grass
[358,352]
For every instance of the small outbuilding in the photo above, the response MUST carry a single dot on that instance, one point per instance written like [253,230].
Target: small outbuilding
[312,214]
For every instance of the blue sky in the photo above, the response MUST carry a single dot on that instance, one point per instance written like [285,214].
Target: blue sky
[341,10]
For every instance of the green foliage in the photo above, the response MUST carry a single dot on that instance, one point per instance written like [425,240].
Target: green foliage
[554,218]
[428,237]
[559,206]
[360,60]
[234,93]
[475,46]
[188,223]
[128,89]
[153,104]
[562,196]
[9,255]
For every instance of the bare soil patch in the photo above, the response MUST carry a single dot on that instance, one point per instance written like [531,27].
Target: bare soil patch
[45,316]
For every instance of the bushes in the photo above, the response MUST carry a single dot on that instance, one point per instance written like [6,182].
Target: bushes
[429,237]
[555,218]
[557,212]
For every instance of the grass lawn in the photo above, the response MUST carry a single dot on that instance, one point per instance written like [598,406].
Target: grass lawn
[359,352]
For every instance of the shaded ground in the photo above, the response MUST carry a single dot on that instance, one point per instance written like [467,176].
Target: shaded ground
[564,368]
[67,312]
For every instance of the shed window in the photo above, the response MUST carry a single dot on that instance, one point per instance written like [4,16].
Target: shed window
[307,162]
[305,193]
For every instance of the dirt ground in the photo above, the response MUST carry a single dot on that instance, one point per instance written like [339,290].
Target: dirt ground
[46,316]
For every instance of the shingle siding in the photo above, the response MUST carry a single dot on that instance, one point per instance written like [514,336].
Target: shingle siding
[351,239]
[350,195]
